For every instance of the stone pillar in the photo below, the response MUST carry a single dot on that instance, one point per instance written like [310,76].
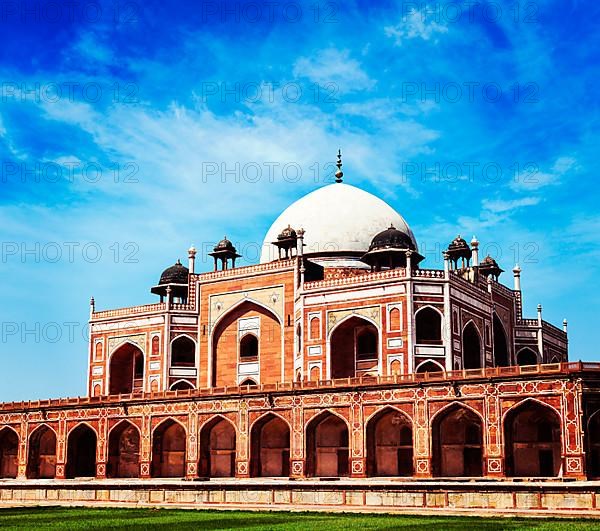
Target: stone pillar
[61,449]
[422,436]
[191,469]
[475,249]
[358,462]
[192,259]
[540,335]
[300,254]
[22,451]
[573,465]
[242,456]
[102,447]
[493,436]
[297,457]
[517,277]
[446,263]
[146,447]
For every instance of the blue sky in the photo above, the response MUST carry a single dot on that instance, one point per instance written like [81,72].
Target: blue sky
[121,124]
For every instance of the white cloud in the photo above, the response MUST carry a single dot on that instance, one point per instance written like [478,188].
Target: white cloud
[501,206]
[334,66]
[416,25]
[530,177]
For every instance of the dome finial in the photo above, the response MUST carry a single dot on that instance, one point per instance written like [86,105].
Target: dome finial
[339,173]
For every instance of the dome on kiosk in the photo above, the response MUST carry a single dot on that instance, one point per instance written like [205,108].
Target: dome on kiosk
[338,219]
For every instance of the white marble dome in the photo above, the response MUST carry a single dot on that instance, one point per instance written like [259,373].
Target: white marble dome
[336,218]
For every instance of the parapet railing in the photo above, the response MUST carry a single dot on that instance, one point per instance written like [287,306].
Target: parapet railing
[246,270]
[118,312]
[363,381]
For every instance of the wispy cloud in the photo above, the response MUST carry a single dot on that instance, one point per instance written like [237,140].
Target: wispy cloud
[502,206]
[416,24]
[531,177]
[334,66]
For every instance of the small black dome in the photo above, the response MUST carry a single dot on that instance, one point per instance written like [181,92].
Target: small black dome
[287,233]
[392,238]
[176,274]
[488,261]
[459,244]
[224,245]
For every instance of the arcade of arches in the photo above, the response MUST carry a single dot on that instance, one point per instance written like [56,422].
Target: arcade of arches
[532,435]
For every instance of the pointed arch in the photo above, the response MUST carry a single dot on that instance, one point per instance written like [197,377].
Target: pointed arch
[429,325]
[353,347]
[249,347]
[169,442]
[9,450]
[501,350]
[532,440]
[327,445]
[429,366]
[457,441]
[81,451]
[389,436]
[246,301]
[527,356]
[183,351]
[181,385]
[351,316]
[472,346]
[126,369]
[592,437]
[124,450]
[270,446]
[41,458]
[225,335]
[218,437]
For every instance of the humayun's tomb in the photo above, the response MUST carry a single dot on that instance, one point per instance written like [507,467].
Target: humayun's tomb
[337,356]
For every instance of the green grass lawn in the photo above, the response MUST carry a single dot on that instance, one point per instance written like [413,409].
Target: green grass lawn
[79,518]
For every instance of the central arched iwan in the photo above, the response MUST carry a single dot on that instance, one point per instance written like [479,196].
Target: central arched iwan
[226,346]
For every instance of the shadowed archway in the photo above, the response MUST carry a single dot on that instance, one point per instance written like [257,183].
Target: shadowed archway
[270,444]
[501,354]
[41,462]
[217,449]
[389,444]
[124,451]
[471,347]
[168,450]
[457,443]
[327,452]
[532,441]
[126,370]
[9,449]
[81,452]
[527,356]
[354,348]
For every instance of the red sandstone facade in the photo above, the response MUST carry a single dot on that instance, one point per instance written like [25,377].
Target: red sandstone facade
[315,364]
